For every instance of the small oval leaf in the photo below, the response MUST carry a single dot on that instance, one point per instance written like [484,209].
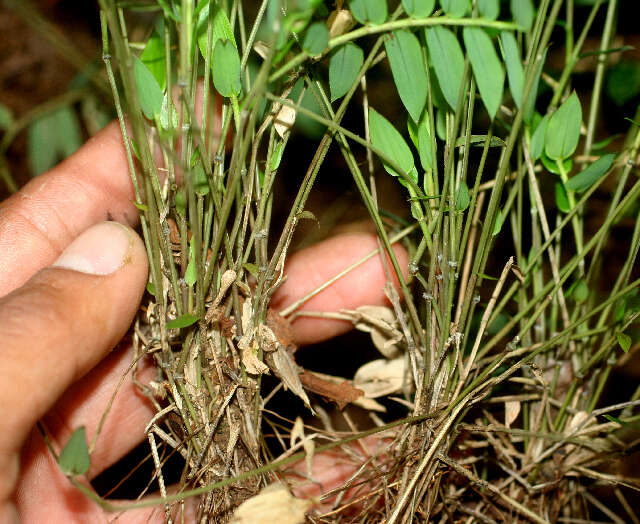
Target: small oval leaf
[182,321]
[448,61]
[562,201]
[523,13]
[489,9]
[456,8]
[344,66]
[563,130]
[537,140]
[486,66]
[225,68]
[387,139]
[149,91]
[316,39]
[409,71]
[419,8]
[369,11]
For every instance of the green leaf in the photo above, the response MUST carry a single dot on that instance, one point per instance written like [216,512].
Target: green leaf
[552,165]
[6,117]
[497,226]
[441,124]
[226,68]
[419,8]
[154,58]
[562,200]
[251,268]
[597,146]
[369,11]
[141,207]
[221,28]
[523,13]
[579,290]
[181,201]
[530,105]
[489,9]
[344,66]
[51,138]
[486,66]
[463,199]
[183,321]
[624,340]
[623,82]
[409,71]
[448,62]
[455,8]
[151,289]
[149,91]
[276,156]
[589,176]
[387,139]
[515,71]
[190,274]
[421,138]
[74,458]
[200,182]
[563,131]
[316,39]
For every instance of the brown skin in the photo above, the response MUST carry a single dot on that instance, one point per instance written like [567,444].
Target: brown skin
[59,328]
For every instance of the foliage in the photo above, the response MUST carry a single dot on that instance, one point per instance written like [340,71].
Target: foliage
[502,327]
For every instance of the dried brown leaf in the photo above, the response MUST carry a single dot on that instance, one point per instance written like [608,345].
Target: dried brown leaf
[342,394]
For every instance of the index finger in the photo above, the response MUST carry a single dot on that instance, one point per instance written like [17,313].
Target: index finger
[43,217]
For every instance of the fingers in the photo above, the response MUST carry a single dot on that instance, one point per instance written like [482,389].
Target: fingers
[60,324]
[39,221]
[308,269]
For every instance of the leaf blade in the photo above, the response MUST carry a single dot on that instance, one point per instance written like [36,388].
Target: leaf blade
[409,72]
[448,61]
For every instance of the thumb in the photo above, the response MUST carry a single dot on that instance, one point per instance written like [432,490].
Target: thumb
[60,324]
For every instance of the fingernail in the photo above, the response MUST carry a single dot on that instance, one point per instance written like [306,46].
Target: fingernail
[100,250]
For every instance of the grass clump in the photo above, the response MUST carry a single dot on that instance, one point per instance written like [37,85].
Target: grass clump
[505,334]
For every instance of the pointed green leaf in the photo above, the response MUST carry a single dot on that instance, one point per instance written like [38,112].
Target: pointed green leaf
[419,8]
[149,91]
[316,39]
[456,8]
[151,289]
[154,58]
[448,61]
[563,130]
[624,340]
[409,71]
[74,458]
[486,66]
[226,68]
[251,268]
[183,321]
[489,9]
[515,71]
[344,66]
[589,176]
[369,11]
[463,199]
[523,13]
[220,28]
[562,201]
[164,114]
[387,139]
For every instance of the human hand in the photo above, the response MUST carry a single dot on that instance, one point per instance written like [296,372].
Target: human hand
[71,283]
